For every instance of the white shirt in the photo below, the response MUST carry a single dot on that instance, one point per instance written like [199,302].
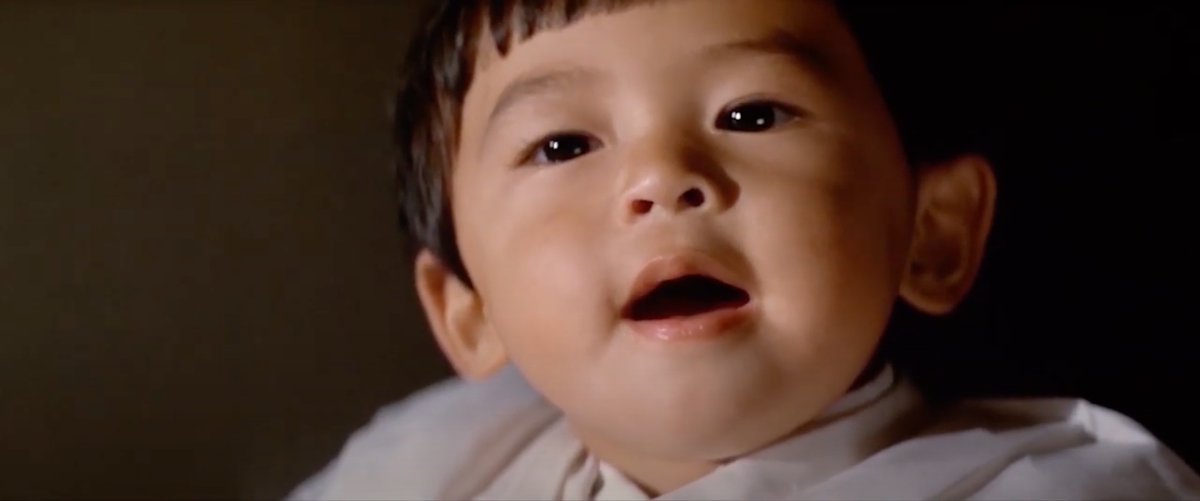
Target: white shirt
[499,440]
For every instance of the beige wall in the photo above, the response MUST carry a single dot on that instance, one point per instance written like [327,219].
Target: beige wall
[201,291]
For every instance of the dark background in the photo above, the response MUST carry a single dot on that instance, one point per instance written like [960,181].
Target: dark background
[202,291]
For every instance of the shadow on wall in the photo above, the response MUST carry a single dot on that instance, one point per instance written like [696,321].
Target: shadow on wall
[203,291]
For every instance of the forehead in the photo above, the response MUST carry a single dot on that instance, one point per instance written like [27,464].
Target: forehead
[662,31]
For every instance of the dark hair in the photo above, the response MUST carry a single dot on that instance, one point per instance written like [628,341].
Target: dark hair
[923,91]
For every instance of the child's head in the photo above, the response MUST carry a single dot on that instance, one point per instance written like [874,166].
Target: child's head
[565,163]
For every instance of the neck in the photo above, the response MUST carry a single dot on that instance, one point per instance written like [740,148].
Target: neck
[874,366]
[655,476]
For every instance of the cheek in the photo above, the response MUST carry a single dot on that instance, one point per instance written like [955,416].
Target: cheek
[545,232]
[532,226]
[821,241]
[534,248]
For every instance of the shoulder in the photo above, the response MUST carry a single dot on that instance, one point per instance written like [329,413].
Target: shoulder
[1066,448]
[442,442]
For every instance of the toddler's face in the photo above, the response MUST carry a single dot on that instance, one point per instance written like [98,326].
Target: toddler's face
[686,221]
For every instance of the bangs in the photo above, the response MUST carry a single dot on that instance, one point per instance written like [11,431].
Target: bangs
[514,20]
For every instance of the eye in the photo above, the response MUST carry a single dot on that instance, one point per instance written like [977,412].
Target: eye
[755,116]
[561,148]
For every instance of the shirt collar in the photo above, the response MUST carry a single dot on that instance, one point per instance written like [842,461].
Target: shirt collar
[860,423]
[857,425]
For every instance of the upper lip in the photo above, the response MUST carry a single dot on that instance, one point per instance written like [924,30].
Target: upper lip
[671,267]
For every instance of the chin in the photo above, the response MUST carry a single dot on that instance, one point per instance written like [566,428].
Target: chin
[708,430]
[714,442]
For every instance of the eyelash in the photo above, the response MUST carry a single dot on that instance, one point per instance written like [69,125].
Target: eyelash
[534,148]
[791,113]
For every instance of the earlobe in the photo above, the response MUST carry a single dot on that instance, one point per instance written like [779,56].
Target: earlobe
[955,204]
[457,318]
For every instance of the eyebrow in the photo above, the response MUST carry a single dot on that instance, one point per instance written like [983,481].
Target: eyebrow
[779,43]
[533,85]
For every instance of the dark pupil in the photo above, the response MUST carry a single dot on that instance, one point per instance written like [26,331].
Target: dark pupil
[563,148]
[752,117]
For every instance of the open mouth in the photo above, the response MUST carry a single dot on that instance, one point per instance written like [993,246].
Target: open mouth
[685,296]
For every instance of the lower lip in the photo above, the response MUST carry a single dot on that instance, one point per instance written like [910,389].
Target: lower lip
[707,325]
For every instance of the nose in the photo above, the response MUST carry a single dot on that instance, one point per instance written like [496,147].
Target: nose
[648,198]
[670,179]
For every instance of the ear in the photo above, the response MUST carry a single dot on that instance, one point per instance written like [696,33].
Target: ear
[955,203]
[457,318]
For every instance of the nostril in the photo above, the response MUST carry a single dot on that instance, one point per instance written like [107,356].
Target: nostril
[692,198]
[642,206]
